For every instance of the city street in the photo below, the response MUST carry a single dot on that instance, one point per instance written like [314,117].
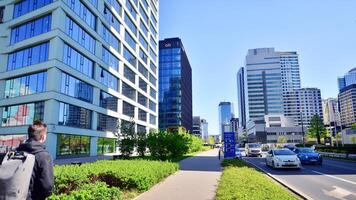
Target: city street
[334,180]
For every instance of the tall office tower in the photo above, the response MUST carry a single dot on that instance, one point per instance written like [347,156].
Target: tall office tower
[264,81]
[347,100]
[348,79]
[241,92]
[197,126]
[302,104]
[204,130]
[81,66]
[331,112]
[175,86]
[226,112]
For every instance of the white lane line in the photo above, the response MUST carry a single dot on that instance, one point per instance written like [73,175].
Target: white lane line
[335,177]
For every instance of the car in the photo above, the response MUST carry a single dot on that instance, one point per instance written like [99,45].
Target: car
[309,156]
[282,158]
[253,149]
[240,152]
[289,146]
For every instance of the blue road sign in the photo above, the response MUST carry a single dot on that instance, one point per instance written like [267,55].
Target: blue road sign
[229,144]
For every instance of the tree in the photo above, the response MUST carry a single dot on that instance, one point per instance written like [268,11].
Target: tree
[353,126]
[282,139]
[316,128]
[127,137]
[211,140]
[353,139]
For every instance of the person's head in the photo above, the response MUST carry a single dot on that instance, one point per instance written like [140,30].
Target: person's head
[37,131]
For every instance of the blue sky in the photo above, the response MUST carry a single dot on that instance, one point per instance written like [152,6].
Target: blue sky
[217,34]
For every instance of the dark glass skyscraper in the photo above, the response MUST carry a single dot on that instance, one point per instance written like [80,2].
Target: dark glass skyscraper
[175,86]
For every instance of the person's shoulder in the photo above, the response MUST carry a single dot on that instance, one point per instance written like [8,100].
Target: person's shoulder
[43,155]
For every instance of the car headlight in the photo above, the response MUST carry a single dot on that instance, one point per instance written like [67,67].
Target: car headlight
[306,157]
[298,160]
[279,159]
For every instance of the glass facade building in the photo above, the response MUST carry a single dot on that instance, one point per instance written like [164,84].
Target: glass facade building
[82,67]
[226,113]
[348,79]
[175,86]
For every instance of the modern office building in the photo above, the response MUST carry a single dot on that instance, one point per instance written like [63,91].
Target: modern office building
[331,112]
[234,123]
[347,101]
[204,130]
[302,104]
[82,67]
[268,76]
[241,92]
[226,112]
[175,86]
[197,126]
[348,79]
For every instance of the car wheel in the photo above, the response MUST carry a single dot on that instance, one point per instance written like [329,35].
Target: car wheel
[273,165]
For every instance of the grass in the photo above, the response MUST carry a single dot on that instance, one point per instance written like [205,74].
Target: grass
[242,182]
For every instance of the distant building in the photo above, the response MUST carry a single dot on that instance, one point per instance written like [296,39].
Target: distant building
[331,112]
[234,123]
[347,100]
[175,85]
[302,104]
[204,130]
[241,98]
[225,114]
[197,129]
[348,79]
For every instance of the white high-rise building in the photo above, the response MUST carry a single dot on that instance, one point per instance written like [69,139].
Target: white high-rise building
[82,67]
[331,112]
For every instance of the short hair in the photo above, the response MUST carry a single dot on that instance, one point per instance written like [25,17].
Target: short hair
[36,130]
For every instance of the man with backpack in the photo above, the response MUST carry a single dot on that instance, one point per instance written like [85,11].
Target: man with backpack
[41,184]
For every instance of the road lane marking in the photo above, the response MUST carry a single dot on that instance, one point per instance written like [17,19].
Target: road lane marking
[335,177]
[338,193]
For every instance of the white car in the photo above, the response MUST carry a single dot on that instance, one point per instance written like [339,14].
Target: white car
[282,158]
[253,149]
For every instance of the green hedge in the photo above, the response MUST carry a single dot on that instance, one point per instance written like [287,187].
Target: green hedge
[242,182]
[119,174]
[350,149]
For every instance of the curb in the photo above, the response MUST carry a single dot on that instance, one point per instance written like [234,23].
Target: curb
[295,191]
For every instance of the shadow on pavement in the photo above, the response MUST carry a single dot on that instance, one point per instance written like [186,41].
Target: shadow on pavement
[201,163]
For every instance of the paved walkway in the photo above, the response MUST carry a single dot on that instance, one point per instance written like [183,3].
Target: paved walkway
[197,180]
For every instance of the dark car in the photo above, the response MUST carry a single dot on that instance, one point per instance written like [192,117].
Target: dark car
[308,156]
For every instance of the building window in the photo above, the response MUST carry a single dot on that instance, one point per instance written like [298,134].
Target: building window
[153,80]
[130,24]
[73,145]
[82,11]
[76,88]
[29,56]
[128,109]
[143,85]
[142,115]
[131,8]
[153,30]
[74,116]
[153,93]
[143,28]
[24,114]
[153,43]
[130,57]
[143,56]
[111,19]
[153,55]
[106,145]
[141,129]
[153,119]
[11,142]
[107,123]
[108,101]
[130,41]
[77,61]
[108,79]
[2,10]
[143,14]
[31,29]
[27,6]
[142,69]
[110,59]
[142,99]
[78,34]
[129,74]
[152,106]
[110,38]
[116,5]
[25,85]
[128,91]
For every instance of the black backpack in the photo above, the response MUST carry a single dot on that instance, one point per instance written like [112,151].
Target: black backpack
[15,175]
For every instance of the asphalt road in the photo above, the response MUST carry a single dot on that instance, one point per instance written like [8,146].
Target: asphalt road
[334,180]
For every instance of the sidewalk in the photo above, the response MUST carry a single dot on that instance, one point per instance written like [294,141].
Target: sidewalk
[197,180]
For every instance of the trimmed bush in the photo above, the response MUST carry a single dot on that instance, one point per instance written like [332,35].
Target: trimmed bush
[120,174]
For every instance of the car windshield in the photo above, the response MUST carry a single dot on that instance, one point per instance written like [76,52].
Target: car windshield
[306,150]
[283,152]
[254,146]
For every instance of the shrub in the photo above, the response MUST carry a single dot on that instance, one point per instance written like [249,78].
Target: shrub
[99,190]
[141,144]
